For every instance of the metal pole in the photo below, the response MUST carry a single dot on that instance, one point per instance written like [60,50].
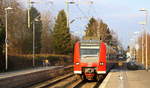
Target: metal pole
[137,55]
[146,53]
[146,19]
[143,48]
[33,44]
[29,6]
[6,38]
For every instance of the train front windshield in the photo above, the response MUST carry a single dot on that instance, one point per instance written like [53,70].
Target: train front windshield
[92,52]
[89,55]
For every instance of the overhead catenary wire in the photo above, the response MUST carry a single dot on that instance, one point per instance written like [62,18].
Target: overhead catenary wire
[87,15]
[94,10]
[81,11]
[89,9]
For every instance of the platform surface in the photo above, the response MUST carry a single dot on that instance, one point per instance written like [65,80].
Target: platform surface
[26,71]
[127,79]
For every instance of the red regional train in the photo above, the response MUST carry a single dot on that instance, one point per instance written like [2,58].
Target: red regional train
[91,59]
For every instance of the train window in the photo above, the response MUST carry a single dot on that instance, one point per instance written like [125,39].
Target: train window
[89,52]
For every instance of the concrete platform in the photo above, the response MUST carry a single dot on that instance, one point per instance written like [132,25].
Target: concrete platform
[127,79]
[24,78]
[23,72]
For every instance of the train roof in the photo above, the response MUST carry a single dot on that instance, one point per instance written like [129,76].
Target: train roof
[89,42]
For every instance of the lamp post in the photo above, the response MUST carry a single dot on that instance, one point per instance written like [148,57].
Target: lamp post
[30,3]
[146,22]
[33,46]
[33,23]
[6,37]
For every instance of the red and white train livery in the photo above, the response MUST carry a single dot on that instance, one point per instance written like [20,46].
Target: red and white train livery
[91,59]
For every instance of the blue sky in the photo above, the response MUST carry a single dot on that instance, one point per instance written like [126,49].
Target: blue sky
[122,16]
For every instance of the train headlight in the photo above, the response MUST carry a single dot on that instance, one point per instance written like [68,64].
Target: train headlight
[77,63]
[101,63]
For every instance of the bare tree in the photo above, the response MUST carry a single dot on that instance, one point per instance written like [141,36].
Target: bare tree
[46,38]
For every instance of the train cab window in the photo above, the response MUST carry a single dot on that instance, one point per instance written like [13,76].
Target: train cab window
[89,55]
[92,52]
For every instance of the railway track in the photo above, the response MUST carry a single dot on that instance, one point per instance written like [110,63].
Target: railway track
[57,75]
[58,82]
[88,84]
[68,80]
